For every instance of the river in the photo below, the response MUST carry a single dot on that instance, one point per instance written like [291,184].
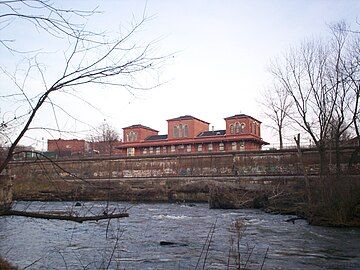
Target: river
[266,241]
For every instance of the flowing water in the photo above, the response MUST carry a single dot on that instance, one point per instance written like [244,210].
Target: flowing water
[267,242]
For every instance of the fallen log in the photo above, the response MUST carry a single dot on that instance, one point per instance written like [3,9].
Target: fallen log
[63,217]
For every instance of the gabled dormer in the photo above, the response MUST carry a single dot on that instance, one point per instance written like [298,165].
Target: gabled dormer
[240,124]
[185,127]
[138,133]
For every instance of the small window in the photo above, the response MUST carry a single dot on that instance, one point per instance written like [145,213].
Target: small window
[231,129]
[237,128]
[181,131]
[233,146]
[157,151]
[176,132]
[242,145]
[242,128]
[186,131]
[145,151]
[151,150]
[188,148]
[131,151]
[199,148]
[210,147]
[172,148]
[221,146]
[164,149]
[254,127]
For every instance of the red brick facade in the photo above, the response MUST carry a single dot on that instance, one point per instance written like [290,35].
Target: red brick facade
[187,134]
[68,147]
[138,133]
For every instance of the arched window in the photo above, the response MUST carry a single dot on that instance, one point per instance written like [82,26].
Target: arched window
[231,129]
[242,128]
[237,128]
[181,131]
[186,131]
[176,132]
[131,136]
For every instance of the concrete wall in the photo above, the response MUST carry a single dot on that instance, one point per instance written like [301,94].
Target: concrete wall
[163,178]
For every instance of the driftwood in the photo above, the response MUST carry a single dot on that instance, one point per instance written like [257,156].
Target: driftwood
[63,217]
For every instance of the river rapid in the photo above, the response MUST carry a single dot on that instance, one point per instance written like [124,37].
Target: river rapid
[173,236]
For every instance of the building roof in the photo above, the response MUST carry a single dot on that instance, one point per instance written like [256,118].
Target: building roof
[212,133]
[156,138]
[241,116]
[187,117]
[140,126]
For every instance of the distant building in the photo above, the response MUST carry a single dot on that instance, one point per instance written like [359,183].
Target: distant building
[68,147]
[188,134]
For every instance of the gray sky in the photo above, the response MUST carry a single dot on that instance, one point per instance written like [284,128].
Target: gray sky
[223,49]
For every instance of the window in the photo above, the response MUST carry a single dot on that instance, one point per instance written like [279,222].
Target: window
[231,129]
[188,148]
[251,128]
[242,145]
[164,149]
[131,151]
[145,151]
[172,148]
[176,132]
[199,148]
[237,128]
[210,147]
[151,150]
[258,126]
[254,127]
[131,136]
[233,146]
[221,146]
[181,131]
[242,128]
[186,131]
[157,151]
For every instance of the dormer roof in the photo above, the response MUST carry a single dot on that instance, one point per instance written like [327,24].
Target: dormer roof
[239,116]
[140,126]
[187,117]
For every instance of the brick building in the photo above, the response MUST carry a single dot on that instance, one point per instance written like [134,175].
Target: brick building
[188,134]
[68,147]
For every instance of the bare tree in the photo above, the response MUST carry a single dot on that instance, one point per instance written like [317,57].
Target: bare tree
[277,107]
[314,78]
[104,138]
[91,59]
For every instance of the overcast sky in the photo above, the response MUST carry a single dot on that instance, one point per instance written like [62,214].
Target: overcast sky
[223,50]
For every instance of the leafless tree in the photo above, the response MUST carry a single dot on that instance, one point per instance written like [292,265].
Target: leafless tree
[104,138]
[277,107]
[314,77]
[90,58]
